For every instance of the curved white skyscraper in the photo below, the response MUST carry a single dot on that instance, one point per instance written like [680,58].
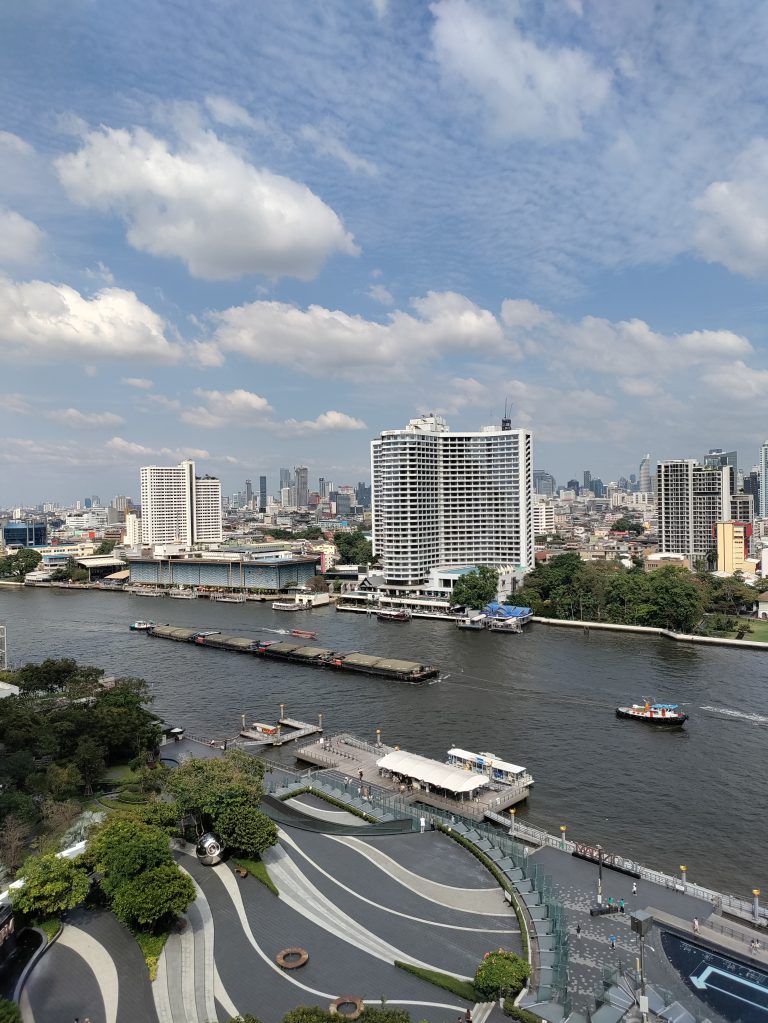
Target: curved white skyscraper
[644,476]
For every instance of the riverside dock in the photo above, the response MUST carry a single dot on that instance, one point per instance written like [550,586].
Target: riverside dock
[276,736]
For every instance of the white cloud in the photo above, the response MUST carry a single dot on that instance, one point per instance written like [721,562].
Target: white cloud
[733,227]
[231,408]
[73,417]
[526,91]
[139,382]
[328,342]
[56,322]
[230,114]
[11,143]
[380,7]
[327,143]
[21,241]
[381,294]
[100,273]
[15,404]
[325,421]
[204,204]
[121,446]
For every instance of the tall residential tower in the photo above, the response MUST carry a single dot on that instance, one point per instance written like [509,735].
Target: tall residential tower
[448,499]
[179,507]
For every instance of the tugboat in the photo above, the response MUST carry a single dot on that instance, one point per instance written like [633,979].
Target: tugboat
[141,626]
[393,614]
[666,715]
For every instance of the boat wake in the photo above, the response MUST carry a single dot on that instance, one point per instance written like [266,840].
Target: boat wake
[755,719]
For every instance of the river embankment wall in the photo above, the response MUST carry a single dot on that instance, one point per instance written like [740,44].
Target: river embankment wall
[680,637]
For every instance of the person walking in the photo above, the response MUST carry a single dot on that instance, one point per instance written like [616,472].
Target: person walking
[634,887]
[621,905]
[423,823]
[612,940]
[695,925]
[578,930]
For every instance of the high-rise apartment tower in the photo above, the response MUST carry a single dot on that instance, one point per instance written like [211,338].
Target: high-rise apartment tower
[179,507]
[692,499]
[442,498]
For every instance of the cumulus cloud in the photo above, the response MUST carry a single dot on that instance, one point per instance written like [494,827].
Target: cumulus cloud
[73,417]
[230,408]
[203,203]
[57,323]
[526,91]
[381,294]
[121,446]
[328,342]
[139,382]
[21,241]
[16,404]
[326,143]
[325,421]
[733,225]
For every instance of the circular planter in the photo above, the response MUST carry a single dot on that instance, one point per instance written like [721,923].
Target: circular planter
[342,1006]
[292,958]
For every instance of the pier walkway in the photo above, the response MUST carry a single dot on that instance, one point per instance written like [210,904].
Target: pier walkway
[358,761]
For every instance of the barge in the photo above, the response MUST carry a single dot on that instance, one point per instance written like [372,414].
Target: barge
[367,664]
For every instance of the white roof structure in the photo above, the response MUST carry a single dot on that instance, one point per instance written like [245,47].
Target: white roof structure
[485,760]
[431,772]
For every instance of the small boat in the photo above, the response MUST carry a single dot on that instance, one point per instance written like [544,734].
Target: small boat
[303,634]
[287,605]
[179,593]
[229,598]
[141,626]
[476,622]
[393,614]
[666,715]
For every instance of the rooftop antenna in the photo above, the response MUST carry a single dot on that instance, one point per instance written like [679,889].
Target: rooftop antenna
[506,422]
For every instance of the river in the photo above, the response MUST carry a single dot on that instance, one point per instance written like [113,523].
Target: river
[545,699]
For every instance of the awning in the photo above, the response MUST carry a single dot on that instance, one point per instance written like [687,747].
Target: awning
[117,576]
[485,761]
[431,772]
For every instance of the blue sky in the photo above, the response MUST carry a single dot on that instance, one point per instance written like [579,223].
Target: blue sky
[259,233]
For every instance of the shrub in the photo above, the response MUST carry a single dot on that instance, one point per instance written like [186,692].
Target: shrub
[9,1012]
[523,1015]
[51,885]
[501,972]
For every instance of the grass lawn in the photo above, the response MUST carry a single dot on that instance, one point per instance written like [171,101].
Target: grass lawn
[119,773]
[259,870]
[759,633]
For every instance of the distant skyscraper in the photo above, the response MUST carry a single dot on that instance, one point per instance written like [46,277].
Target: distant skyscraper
[286,479]
[302,486]
[573,485]
[764,478]
[692,499]
[178,506]
[248,493]
[587,479]
[444,498]
[597,487]
[262,493]
[544,483]
[752,486]
[644,476]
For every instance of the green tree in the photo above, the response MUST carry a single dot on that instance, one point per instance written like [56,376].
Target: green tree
[308,1014]
[246,830]
[106,547]
[51,885]
[627,525]
[154,897]
[23,561]
[122,850]
[501,973]
[9,1012]
[476,588]
[354,548]
[90,760]
[213,785]
[62,781]
[674,600]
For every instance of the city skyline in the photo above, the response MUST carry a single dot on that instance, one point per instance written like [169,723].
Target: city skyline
[285,229]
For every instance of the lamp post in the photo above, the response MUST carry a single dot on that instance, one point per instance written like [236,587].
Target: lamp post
[563,829]
[512,813]
[683,874]
[756,903]
[599,875]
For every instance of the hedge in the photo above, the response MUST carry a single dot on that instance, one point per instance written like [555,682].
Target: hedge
[461,988]
[329,799]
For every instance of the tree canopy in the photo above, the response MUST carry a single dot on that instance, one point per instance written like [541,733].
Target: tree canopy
[120,850]
[17,565]
[354,548]
[51,885]
[501,973]
[154,897]
[476,588]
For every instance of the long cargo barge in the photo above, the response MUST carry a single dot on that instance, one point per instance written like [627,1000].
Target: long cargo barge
[315,656]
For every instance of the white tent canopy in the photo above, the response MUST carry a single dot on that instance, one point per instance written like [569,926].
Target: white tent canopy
[485,760]
[430,772]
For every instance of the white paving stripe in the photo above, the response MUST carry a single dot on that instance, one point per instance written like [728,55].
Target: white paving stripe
[160,992]
[101,964]
[222,997]
[227,878]
[442,894]
[395,912]
[207,936]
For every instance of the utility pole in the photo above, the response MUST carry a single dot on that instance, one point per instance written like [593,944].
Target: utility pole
[3,650]
[599,875]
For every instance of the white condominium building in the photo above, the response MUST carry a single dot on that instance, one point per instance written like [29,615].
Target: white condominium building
[691,500]
[179,507]
[447,499]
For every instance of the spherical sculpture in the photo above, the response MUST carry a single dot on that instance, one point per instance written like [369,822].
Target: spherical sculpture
[209,849]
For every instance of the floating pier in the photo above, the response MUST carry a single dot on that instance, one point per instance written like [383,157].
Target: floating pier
[319,657]
[273,735]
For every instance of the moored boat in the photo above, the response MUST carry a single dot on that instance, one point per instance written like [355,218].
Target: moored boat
[179,593]
[303,634]
[393,614]
[287,605]
[141,626]
[666,715]
[229,598]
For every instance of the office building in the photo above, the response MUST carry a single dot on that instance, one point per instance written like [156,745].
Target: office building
[262,493]
[177,506]
[450,499]
[544,483]
[743,508]
[763,473]
[587,480]
[132,536]
[752,486]
[543,516]
[286,480]
[573,485]
[363,495]
[644,476]
[732,540]
[23,533]
[301,474]
[248,493]
[691,500]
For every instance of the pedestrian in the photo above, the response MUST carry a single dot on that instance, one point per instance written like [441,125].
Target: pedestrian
[695,925]
[346,783]
[423,823]
[360,775]
[612,940]
[578,930]
[634,887]
[621,905]
[468,1016]
[610,901]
